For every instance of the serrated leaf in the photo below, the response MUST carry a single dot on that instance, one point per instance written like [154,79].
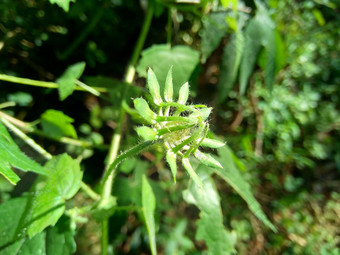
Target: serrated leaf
[207,159]
[212,143]
[191,172]
[259,33]
[232,175]
[149,205]
[210,226]
[153,87]
[148,134]
[183,94]
[66,82]
[12,156]
[65,4]
[62,184]
[144,110]
[171,159]
[183,59]
[57,124]
[231,59]
[214,29]
[168,88]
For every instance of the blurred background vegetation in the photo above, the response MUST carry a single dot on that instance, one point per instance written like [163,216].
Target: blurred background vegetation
[270,69]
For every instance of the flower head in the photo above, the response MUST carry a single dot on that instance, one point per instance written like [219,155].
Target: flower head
[183,128]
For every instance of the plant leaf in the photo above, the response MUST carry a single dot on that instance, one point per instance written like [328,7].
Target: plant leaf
[168,88]
[57,124]
[148,134]
[171,159]
[259,33]
[153,87]
[207,159]
[66,81]
[144,110]
[232,175]
[12,156]
[65,4]
[210,226]
[191,172]
[62,184]
[149,204]
[161,57]
[212,143]
[183,94]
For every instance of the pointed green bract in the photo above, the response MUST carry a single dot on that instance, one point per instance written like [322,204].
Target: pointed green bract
[183,94]
[212,143]
[171,159]
[153,87]
[168,89]
[202,113]
[207,159]
[149,205]
[191,172]
[148,134]
[144,110]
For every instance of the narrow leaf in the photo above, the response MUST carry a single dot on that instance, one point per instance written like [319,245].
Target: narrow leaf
[148,134]
[191,172]
[183,94]
[149,205]
[202,113]
[207,159]
[153,87]
[12,156]
[212,143]
[144,110]
[168,89]
[171,159]
[232,175]
[210,227]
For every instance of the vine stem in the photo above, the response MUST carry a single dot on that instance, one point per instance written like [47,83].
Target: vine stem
[109,172]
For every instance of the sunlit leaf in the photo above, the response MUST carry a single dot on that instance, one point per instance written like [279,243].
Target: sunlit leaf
[183,94]
[147,133]
[153,87]
[144,110]
[65,4]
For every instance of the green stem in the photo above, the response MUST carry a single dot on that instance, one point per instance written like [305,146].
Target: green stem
[43,84]
[108,176]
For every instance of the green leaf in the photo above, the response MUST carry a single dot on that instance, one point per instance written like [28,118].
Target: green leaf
[62,184]
[212,143]
[214,29]
[210,226]
[191,172]
[259,33]
[171,159]
[207,159]
[144,110]
[12,156]
[230,64]
[65,4]
[13,240]
[153,87]
[202,113]
[183,94]
[161,57]
[149,204]
[168,89]
[232,175]
[148,134]
[66,81]
[57,124]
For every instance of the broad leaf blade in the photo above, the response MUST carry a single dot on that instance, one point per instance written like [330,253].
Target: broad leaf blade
[57,124]
[232,175]
[65,4]
[12,156]
[49,202]
[210,225]
[149,204]
[183,59]
[66,82]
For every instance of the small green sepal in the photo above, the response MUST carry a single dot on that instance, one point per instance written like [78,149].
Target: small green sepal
[212,143]
[207,159]
[191,172]
[183,94]
[171,159]
[153,87]
[144,110]
[148,134]
[168,89]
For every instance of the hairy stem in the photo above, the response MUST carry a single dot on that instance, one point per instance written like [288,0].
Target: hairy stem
[109,173]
